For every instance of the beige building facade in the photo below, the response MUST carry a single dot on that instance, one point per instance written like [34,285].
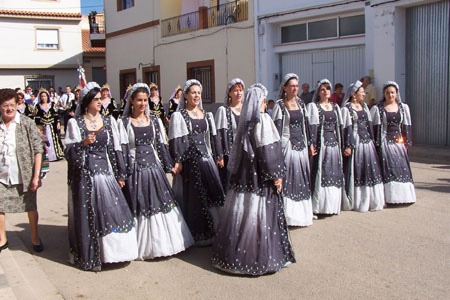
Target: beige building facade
[168,42]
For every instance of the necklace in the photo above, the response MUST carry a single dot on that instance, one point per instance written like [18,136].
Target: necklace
[93,122]
[356,106]
[141,121]
[290,104]
[326,105]
[195,113]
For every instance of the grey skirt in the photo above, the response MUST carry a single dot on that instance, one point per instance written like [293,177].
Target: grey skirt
[14,200]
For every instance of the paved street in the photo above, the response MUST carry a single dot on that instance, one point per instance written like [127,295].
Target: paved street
[397,253]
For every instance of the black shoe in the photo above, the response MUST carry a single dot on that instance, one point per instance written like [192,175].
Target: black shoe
[38,248]
[4,246]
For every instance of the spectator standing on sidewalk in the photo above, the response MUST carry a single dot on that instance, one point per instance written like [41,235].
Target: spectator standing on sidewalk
[20,166]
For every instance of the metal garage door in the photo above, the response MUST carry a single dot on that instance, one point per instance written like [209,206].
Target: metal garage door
[344,65]
[427,72]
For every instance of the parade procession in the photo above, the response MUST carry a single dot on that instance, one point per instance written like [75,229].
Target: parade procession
[224,149]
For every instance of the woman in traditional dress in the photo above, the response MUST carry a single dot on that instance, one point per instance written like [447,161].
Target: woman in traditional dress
[101,226]
[22,107]
[195,148]
[174,100]
[363,180]
[20,165]
[161,229]
[392,127]
[327,178]
[156,104]
[252,236]
[291,119]
[109,106]
[227,120]
[47,115]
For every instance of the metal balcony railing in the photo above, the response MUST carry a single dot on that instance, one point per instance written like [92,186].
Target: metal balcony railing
[180,24]
[228,13]
[221,15]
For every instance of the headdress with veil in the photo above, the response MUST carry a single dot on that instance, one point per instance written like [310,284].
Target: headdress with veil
[317,91]
[352,88]
[38,98]
[230,85]
[127,109]
[187,85]
[108,88]
[84,91]
[286,78]
[394,84]
[250,116]
[175,92]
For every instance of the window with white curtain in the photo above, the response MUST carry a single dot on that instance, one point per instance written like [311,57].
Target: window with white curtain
[47,39]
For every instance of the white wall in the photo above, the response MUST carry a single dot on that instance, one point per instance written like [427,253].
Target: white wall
[19,44]
[126,52]
[384,41]
[143,11]
[272,15]
[390,42]
[15,78]
[173,57]
[67,6]
[266,7]
[19,56]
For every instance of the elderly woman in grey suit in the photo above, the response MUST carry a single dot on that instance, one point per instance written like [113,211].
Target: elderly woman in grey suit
[20,164]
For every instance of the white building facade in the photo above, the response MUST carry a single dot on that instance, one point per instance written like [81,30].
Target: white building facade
[41,43]
[406,41]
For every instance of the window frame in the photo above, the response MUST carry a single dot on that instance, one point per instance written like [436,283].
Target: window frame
[38,29]
[32,79]
[121,5]
[337,19]
[149,70]
[123,84]
[191,66]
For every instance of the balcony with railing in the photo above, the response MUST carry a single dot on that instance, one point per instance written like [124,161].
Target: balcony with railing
[97,29]
[205,17]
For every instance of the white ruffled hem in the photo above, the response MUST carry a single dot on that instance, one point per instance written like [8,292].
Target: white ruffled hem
[327,200]
[298,213]
[162,235]
[399,192]
[368,198]
[118,247]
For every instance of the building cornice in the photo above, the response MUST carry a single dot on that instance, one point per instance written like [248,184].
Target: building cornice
[32,67]
[39,15]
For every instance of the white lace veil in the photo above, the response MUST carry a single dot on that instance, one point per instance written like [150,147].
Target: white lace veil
[230,85]
[187,85]
[250,116]
[286,78]
[394,84]
[352,88]
[38,98]
[317,91]
[84,91]
[127,109]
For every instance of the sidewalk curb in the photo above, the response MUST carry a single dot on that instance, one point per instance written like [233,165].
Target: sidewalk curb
[429,154]
[24,277]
